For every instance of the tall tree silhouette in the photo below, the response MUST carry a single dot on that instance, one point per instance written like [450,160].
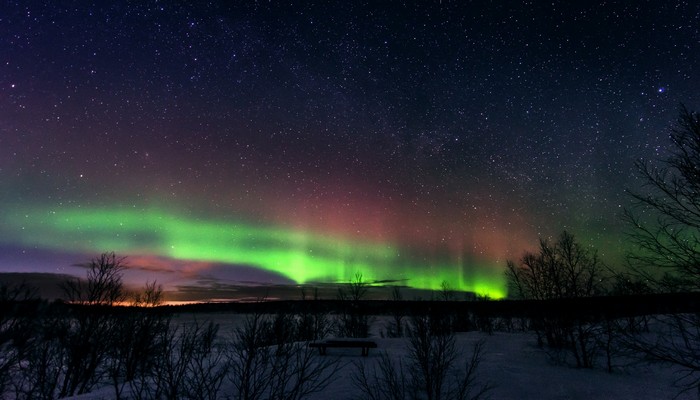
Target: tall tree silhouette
[665,219]
[665,226]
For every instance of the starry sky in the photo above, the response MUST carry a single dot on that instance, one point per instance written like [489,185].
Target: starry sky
[276,144]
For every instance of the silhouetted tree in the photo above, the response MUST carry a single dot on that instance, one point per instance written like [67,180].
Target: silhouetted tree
[356,289]
[188,366]
[665,227]
[16,329]
[38,375]
[276,369]
[312,323]
[395,326]
[103,284]
[446,292]
[91,333]
[136,347]
[560,270]
[431,370]
[352,322]
[665,220]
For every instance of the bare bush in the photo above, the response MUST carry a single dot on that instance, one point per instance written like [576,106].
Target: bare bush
[249,358]
[189,366]
[561,270]
[279,369]
[387,381]
[16,326]
[430,371]
[37,377]
[71,348]
[674,340]
[136,341]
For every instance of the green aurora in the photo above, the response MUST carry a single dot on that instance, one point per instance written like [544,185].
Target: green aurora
[300,256]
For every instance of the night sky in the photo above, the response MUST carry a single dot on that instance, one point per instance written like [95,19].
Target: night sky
[220,145]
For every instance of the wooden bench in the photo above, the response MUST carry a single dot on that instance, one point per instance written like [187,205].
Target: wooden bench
[365,345]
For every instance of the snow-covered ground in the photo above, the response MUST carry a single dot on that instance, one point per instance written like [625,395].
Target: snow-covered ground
[512,363]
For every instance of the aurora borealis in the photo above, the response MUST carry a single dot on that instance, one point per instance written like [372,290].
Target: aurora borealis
[295,255]
[220,145]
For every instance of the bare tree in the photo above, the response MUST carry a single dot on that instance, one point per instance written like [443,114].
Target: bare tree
[103,285]
[279,369]
[37,377]
[665,226]
[431,371]
[561,270]
[68,350]
[356,289]
[312,323]
[433,358]
[249,358]
[189,366]
[352,322]
[665,219]
[395,326]
[16,325]
[91,332]
[446,292]
[386,381]
[136,348]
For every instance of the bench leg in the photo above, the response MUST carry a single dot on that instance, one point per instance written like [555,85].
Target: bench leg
[365,351]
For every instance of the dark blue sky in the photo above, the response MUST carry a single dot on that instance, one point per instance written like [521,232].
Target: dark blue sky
[453,132]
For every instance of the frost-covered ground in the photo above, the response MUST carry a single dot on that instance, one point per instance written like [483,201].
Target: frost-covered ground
[512,363]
